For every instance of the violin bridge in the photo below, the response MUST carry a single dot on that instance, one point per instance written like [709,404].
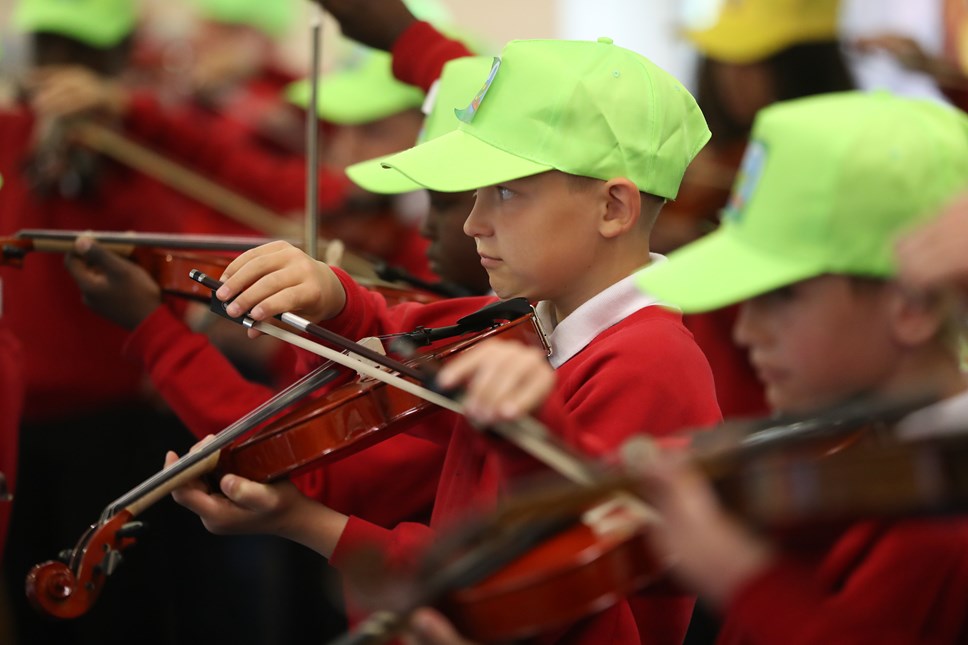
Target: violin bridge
[620,515]
[374,343]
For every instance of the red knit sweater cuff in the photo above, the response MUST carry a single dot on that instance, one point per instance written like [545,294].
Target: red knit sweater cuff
[421,52]
[353,309]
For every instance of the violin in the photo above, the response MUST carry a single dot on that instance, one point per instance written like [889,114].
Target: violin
[170,257]
[544,560]
[353,417]
[344,420]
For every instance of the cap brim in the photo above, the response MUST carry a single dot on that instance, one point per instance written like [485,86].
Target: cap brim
[373,177]
[720,270]
[456,162]
[345,100]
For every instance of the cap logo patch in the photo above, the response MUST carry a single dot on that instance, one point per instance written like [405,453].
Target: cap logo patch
[746,181]
[467,114]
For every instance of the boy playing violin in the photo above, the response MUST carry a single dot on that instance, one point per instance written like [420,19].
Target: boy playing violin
[572,147]
[826,187]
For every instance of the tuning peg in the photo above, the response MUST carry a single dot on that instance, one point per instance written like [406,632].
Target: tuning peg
[132,529]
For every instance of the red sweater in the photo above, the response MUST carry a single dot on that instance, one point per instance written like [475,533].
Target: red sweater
[72,357]
[880,583]
[643,374]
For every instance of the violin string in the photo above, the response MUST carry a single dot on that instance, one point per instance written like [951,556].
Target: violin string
[309,383]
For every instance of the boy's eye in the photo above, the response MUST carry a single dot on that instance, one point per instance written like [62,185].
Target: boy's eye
[783,294]
[504,194]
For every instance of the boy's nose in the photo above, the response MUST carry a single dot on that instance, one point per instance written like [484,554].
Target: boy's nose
[476,223]
[746,329]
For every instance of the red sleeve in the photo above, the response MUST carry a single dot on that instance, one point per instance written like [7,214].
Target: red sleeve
[909,586]
[421,52]
[367,313]
[399,545]
[199,384]
[200,141]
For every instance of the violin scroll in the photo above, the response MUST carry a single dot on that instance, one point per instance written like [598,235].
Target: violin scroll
[70,590]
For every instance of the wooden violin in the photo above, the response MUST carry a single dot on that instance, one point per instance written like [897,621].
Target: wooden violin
[343,421]
[545,560]
[170,257]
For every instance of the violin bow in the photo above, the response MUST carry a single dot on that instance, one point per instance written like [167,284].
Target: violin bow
[312,136]
[527,433]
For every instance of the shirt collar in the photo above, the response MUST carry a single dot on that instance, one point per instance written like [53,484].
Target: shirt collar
[601,311]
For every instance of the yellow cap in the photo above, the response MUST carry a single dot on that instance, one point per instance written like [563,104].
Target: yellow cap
[744,31]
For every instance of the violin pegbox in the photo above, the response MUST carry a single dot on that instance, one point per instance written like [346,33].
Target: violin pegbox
[68,590]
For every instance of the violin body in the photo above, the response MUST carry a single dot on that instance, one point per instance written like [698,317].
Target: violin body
[570,576]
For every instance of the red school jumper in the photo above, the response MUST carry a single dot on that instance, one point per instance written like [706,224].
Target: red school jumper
[641,373]
[900,583]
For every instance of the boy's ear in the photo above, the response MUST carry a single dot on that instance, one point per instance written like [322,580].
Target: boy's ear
[917,317]
[623,207]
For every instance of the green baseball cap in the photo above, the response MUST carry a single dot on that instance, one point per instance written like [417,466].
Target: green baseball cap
[273,17]
[364,89]
[826,186]
[363,92]
[459,80]
[586,108]
[98,23]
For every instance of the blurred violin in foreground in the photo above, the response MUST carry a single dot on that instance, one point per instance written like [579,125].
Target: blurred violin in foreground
[552,556]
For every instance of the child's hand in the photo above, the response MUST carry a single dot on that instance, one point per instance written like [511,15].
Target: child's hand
[502,380]
[112,286]
[711,552]
[63,91]
[276,278]
[245,506]
[934,254]
[241,506]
